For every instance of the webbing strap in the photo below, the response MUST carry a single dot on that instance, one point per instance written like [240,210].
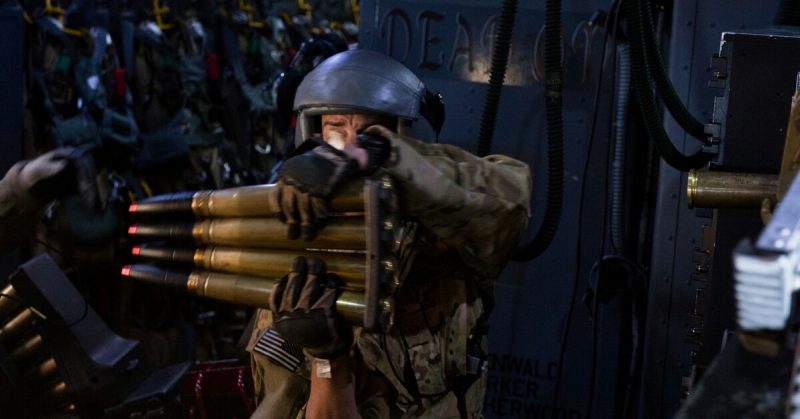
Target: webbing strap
[232,53]
[38,76]
[126,34]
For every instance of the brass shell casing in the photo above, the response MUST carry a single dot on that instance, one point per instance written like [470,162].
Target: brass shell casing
[262,200]
[729,189]
[42,372]
[256,292]
[55,393]
[8,302]
[342,233]
[268,263]
[18,325]
[245,201]
[346,233]
[277,263]
[30,349]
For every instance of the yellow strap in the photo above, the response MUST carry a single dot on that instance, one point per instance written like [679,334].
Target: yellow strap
[55,11]
[73,32]
[356,11]
[158,11]
[304,7]
[249,10]
[146,188]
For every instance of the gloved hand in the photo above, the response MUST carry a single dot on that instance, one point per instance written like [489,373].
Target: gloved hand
[306,182]
[49,176]
[377,148]
[303,304]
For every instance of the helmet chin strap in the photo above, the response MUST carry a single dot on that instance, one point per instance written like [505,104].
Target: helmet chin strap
[432,109]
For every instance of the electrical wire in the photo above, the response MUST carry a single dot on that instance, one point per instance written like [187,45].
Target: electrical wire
[49,246]
[658,73]
[579,224]
[554,115]
[614,22]
[644,84]
[604,236]
[497,74]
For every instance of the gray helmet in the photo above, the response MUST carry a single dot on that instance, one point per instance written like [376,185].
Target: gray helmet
[363,81]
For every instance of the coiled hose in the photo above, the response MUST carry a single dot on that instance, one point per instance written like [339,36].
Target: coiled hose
[502,44]
[555,134]
[788,13]
[644,82]
[618,166]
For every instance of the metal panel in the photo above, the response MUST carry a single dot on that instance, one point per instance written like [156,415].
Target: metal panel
[760,81]
[11,101]
[447,44]
[696,30]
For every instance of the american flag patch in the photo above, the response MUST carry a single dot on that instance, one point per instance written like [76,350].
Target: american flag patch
[279,351]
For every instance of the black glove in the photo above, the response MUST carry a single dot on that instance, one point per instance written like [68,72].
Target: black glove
[378,150]
[303,304]
[306,182]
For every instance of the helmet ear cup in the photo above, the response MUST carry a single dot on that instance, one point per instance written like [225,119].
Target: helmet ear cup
[316,49]
[286,87]
[432,109]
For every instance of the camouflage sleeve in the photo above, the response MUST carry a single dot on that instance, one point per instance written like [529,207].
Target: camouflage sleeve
[478,205]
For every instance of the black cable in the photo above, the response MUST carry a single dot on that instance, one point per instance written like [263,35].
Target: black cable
[579,223]
[385,348]
[647,102]
[658,72]
[49,246]
[382,342]
[604,240]
[593,368]
[614,22]
[555,136]
[502,46]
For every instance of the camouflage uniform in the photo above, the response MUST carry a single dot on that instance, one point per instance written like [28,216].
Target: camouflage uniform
[25,190]
[471,212]
[19,210]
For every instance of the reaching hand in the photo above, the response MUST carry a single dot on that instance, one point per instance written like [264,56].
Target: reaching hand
[305,184]
[304,307]
[51,175]
[376,148]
